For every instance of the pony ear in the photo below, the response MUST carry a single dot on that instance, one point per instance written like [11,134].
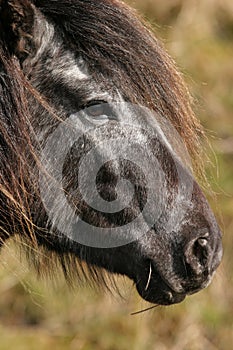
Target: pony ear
[16,25]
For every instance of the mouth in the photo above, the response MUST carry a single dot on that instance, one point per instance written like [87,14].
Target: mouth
[170,282]
[153,288]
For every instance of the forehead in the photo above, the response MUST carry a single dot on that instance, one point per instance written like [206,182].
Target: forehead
[55,64]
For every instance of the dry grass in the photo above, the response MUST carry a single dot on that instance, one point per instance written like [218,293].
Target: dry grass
[199,35]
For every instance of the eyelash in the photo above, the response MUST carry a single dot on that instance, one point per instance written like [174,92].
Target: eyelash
[93,103]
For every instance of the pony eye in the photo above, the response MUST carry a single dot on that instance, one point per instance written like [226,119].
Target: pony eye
[97,109]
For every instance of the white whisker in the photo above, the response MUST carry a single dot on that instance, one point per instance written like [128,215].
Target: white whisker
[149,278]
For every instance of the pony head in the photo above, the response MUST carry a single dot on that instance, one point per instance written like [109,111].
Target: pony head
[98,142]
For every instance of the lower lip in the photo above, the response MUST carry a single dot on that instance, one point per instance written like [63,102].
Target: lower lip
[160,296]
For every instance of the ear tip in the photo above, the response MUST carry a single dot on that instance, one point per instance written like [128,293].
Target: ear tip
[16,24]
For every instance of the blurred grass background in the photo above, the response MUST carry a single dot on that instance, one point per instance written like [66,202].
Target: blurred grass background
[36,315]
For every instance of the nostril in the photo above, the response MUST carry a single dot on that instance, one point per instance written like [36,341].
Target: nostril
[202,242]
[200,249]
[197,253]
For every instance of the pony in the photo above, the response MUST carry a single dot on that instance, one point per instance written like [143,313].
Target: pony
[67,63]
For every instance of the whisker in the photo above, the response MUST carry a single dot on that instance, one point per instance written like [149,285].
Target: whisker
[149,278]
[144,310]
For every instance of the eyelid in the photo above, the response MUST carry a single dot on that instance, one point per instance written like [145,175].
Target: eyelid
[94,102]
